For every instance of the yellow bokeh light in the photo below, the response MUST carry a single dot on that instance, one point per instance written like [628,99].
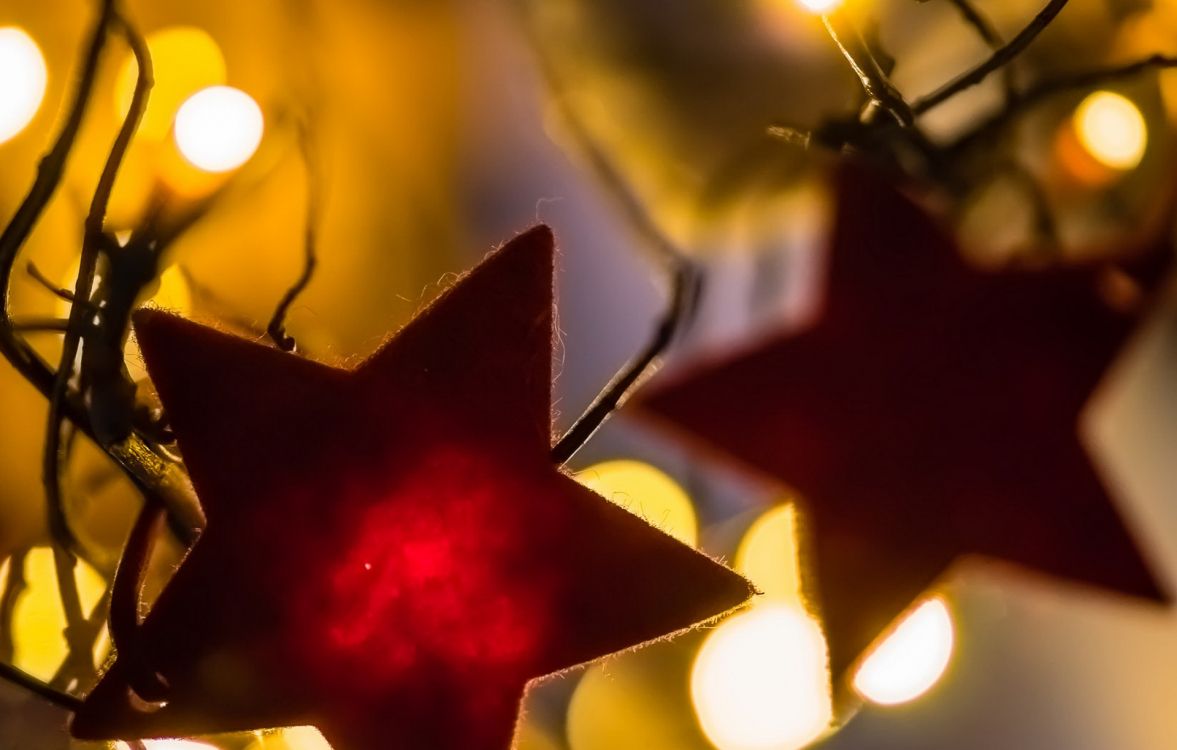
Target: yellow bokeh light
[39,645]
[624,702]
[1112,129]
[23,76]
[290,738]
[760,681]
[169,745]
[184,60]
[219,128]
[911,659]
[646,492]
[820,7]
[767,555]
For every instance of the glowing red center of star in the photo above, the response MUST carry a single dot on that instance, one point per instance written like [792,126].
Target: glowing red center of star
[432,575]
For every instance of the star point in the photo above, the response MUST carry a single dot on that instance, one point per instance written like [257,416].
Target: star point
[390,554]
[929,411]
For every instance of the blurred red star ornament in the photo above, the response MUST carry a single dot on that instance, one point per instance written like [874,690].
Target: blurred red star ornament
[928,411]
[391,554]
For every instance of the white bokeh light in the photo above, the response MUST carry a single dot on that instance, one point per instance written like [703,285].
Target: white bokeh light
[819,6]
[1112,129]
[23,77]
[911,660]
[760,681]
[219,128]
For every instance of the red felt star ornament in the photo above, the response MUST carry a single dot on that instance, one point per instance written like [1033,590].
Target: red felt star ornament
[391,554]
[929,411]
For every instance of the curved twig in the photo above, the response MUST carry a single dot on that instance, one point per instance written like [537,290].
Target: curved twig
[999,59]
[81,314]
[1043,90]
[52,166]
[685,278]
[683,296]
[870,74]
[277,326]
[33,685]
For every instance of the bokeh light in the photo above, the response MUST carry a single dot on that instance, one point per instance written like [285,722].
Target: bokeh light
[184,60]
[911,660]
[767,555]
[23,76]
[290,738]
[646,492]
[819,6]
[38,621]
[760,681]
[1112,129]
[630,701]
[219,128]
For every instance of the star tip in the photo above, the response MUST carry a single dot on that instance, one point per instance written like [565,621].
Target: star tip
[539,238]
[738,592]
[144,315]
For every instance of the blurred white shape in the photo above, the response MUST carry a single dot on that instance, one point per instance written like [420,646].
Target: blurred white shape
[1111,129]
[760,681]
[911,660]
[219,128]
[23,76]
[820,6]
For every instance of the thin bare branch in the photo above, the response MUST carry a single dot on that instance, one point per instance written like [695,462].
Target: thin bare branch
[1043,90]
[991,36]
[54,456]
[973,17]
[52,166]
[685,280]
[43,280]
[33,685]
[277,326]
[999,59]
[683,296]
[875,82]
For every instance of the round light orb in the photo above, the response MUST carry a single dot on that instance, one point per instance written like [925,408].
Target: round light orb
[184,60]
[1111,129]
[23,77]
[768,557]
[911,660]
[761,681]
[646,492]
[819,7]
[219,128]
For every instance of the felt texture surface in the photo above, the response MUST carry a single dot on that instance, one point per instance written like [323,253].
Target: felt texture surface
[390,553]
[928,411]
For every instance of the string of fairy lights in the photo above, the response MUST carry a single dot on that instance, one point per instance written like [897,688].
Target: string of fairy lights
[215,127]
[760,680]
